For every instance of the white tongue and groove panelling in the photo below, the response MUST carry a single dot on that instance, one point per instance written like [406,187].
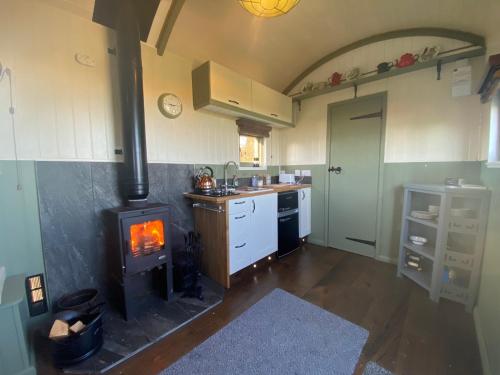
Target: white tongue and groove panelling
[423,121]
[69,111]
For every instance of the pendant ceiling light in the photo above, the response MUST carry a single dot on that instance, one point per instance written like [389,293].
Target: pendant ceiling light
[268,8]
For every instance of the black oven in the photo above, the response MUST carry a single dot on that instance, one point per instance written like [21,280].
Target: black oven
[288,222]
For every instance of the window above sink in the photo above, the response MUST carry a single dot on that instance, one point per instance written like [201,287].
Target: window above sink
[252,152]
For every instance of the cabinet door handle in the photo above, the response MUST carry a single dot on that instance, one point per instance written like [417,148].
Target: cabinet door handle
[240,246]
[234,101]
[240,217]
[303,195]
[274,115]
[241,202]
[285,219]
[253,206]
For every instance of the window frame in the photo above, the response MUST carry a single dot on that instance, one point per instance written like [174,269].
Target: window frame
[494,133]
[263,164]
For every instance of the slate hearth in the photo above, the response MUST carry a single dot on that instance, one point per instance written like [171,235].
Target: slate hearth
[123,339]
[72,198]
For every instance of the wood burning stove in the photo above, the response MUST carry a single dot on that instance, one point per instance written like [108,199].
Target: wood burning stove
[140,256]
[139,245]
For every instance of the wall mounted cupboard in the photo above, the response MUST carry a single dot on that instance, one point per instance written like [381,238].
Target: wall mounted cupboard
[219,89]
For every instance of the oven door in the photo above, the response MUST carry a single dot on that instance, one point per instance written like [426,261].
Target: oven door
[288,233]
[288,201]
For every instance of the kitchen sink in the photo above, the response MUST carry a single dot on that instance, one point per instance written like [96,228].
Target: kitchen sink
[252,189]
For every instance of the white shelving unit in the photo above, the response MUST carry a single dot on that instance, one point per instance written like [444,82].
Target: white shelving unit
[450,261]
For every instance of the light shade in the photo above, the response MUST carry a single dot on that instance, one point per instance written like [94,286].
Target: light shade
[268,8]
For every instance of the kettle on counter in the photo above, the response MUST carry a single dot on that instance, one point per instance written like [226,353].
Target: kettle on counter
[204,179]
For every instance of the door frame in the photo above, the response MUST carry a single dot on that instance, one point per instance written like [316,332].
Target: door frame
[330,108]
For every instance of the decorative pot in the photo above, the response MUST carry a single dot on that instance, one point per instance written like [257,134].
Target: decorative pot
[405,60]
[335,79]
[384,67]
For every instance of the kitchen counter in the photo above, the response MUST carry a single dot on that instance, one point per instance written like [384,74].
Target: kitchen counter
[287,187]
[248,220]
[274,188]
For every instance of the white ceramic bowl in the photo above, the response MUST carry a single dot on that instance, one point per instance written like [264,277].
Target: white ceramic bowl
[417,240]
[434,209]
[424,215]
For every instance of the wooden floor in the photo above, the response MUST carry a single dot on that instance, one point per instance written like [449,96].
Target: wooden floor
[409,334]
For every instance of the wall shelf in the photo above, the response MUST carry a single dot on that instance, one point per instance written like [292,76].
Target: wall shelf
[474,51]
[425,251]
[428,223]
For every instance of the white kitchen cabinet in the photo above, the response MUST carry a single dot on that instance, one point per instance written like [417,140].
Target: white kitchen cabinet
[229,87]
[304,212]
[253,233]
[264,225]
[218,89]
[270,102]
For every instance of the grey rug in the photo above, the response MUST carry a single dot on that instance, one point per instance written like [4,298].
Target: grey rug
[280,334]
[372,368]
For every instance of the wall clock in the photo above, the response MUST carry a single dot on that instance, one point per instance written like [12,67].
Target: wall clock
[170,105]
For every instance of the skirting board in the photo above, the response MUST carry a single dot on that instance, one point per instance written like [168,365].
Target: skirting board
[481,343]
[386,259]
[316,241]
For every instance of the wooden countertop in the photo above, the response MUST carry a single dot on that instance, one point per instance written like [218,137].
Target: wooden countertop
[275,188]
[287,187]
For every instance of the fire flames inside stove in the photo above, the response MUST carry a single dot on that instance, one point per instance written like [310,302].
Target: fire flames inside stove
[146,238]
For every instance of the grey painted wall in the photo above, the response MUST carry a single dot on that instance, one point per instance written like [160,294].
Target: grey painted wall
[72,198]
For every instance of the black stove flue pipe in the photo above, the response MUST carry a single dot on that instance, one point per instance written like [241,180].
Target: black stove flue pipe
[135,181]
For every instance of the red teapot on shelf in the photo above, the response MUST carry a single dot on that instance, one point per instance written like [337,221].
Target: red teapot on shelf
[335,79]
[405,60]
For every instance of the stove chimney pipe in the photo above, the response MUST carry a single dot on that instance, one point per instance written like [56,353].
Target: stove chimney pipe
[128,37]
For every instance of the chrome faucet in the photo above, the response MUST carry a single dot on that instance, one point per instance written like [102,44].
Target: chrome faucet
[226,167]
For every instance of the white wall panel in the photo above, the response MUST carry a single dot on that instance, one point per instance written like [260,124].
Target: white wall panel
[424,122]
[68,111]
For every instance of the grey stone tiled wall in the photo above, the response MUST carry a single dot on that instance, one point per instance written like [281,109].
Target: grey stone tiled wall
[72,198]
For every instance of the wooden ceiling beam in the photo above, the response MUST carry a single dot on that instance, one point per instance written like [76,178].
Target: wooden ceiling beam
[168,25]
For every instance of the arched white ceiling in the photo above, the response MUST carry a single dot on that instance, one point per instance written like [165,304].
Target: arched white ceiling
[274,51]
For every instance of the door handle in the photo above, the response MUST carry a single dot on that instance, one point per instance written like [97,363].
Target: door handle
[239,217]
[234,101]
[285,220]
[303,195]
[336,170]
[253,202]
[240,246]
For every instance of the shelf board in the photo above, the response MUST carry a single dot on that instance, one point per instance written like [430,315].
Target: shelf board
[425,251]
[459,253]
[429,223]
[474,52]
[421,278]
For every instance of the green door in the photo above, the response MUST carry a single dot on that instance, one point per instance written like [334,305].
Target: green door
[355,152]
